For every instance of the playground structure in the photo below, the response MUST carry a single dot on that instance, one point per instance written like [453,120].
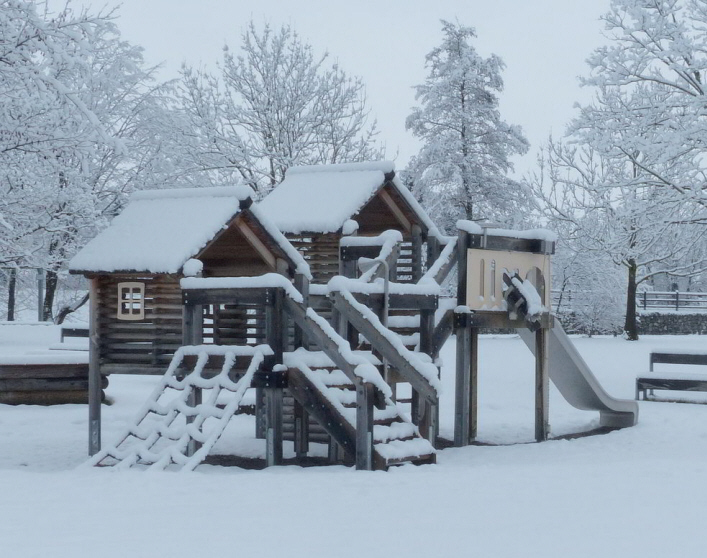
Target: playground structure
[329,322]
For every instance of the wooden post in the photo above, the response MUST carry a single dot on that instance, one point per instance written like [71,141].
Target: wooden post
[302,285]
[275,324]
[260,419]
[301,415]
[273,435]
[473,384]
[426,411]
[462,246]
[334,451]
[192,334]
[416,253]
[94,373]
[465,407]
[433,250]
[542,384]
[364,426]
[301,430]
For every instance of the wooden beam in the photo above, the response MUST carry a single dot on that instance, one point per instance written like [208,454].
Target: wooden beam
[511,244]
[273,431]
[399,215]
[398,301]
[364,426]
[542,384]
[465,402]
[225,296]
[441,332]
[416,253]
[257,244]
[462,245]
[302,285]
[328,416]
[94,372]
[385,347]
[192,334]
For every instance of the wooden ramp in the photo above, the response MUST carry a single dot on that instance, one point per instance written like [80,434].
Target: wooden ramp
[175,429]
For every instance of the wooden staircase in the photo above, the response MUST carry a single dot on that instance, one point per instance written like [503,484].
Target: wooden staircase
[328,395]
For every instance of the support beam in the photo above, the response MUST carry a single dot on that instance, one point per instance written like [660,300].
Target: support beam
[542,384]
[465,402]
[273,432]
[302,285]
[301,430]
[192,334]
[416,253]
[364,426]
[94,373]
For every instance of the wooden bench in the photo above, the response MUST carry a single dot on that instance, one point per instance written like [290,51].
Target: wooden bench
[673,382]
[74,331]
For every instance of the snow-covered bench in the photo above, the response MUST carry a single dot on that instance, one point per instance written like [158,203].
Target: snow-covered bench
[674,381]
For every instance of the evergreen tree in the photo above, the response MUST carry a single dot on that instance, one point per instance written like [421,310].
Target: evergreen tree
[462,169]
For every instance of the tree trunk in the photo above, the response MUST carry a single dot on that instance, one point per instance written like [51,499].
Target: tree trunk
[11,289]
[631,325]
[66,310]
[50,290]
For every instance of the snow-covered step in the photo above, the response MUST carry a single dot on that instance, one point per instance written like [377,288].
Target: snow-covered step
[400,451]
[331,399]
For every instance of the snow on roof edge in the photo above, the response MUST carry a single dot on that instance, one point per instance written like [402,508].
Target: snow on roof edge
[295,256]
[366,166]
[406,194]
[239,191]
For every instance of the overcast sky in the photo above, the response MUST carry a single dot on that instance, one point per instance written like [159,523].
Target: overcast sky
[544,44]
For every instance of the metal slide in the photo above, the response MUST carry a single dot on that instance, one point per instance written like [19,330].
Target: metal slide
[576,382]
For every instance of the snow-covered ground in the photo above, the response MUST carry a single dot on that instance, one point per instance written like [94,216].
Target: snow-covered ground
[635,492]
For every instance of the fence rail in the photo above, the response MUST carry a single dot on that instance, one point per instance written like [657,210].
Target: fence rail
[649,300]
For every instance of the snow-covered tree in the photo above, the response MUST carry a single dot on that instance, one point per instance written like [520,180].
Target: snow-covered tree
[634,187]
[601,209]
[79,129]
[651,97]
[462,169]
[274,105]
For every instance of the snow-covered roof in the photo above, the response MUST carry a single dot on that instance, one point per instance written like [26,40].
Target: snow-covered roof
[321,198]
[159,230]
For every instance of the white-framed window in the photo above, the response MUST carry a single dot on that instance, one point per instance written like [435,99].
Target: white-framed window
[131,301]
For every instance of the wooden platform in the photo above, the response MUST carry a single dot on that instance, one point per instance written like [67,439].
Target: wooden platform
[44,380]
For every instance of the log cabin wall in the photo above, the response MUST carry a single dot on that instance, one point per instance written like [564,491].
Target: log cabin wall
[141,346]
[320,251]
[234,324]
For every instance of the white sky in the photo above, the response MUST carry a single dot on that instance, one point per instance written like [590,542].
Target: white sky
[544,44]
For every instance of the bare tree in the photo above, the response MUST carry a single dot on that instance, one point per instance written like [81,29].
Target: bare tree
[274,105]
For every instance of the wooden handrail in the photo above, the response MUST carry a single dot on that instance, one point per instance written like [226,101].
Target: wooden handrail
[372,329]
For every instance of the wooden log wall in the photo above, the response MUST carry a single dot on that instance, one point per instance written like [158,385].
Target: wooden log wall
[405,270]
[144,344]
[44,384]
[321,252]
[230,324]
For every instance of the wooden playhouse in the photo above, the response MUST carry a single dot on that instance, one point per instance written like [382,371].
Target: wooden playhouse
[304,298]
[141,314]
